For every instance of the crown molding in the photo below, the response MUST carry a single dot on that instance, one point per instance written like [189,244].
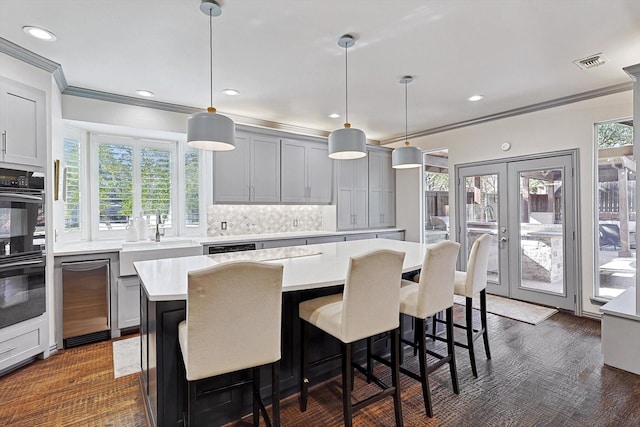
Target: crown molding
[183,109]
[609,90]
[55,69]
[36,60]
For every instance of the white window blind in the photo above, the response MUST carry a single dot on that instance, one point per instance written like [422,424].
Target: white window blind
[71,159]
[115,185]
[191,188]
[155,184]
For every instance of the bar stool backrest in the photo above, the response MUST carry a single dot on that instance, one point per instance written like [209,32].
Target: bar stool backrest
[233,318]
[476,279]
[371,297]
[435,289]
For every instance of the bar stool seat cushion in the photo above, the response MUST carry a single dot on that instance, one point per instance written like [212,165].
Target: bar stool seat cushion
[460,283]
[325,313]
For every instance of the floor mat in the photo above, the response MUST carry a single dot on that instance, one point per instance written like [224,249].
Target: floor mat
[517,310]
[126,357]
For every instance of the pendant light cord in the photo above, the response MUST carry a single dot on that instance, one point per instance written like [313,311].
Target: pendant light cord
[346,83]
[211,58]
[406,114]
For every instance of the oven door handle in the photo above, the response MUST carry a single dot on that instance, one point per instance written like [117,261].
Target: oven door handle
[16,197]
[22,264]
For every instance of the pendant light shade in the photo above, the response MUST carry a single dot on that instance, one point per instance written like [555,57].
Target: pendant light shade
[347,143]
[406,157]
[211,131]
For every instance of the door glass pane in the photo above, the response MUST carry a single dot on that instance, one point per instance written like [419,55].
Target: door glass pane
[482,216]
[541,230]
[616,238]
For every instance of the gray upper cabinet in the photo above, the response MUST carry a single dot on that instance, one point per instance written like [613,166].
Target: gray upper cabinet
[352,193]
[250,173]
[306,172]
[22,124]
[382,183]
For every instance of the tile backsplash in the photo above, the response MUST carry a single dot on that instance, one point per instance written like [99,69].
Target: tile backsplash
[260,219]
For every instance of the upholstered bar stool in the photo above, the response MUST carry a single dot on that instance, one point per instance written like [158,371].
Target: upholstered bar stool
[232,324]
[368,306]
[469,283]
[432,294]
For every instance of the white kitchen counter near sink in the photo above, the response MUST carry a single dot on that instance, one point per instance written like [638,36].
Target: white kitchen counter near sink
[143,251]
[103,246]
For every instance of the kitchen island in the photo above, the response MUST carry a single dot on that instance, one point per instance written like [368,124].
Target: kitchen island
[309,271]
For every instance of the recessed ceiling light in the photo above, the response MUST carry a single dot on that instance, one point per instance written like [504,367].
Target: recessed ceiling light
[39,33]
[475,98]
[334,115]
[230,92]
[145,93]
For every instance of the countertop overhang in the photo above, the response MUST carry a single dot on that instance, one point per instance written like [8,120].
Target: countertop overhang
[325,265]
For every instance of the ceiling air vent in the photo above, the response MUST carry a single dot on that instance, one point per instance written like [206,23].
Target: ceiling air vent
[591,61]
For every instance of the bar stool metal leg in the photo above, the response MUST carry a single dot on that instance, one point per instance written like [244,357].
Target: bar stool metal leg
[483,319]
[395,376]
[452,350]
[347,384]
[304,381]
[469,319]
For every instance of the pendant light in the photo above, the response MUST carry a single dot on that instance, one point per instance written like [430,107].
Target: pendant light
[211,131]
[347,143]
[406,157]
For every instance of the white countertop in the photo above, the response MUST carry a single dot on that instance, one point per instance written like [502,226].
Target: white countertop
[322,265]
[624,305]
[101,246]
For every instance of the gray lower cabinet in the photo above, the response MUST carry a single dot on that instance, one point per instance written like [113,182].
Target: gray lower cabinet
[352,193]
[128,302]
[393,235]
[324,239]
[23,341]
[267,244]
[306,172]
[250,172]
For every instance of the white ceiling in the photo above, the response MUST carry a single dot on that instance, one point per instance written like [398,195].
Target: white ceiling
[283,57]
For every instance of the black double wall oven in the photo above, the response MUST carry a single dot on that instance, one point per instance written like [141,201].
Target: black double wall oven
[22,244]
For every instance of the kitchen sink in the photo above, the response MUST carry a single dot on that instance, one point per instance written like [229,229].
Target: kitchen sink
[151,244]
[148,250]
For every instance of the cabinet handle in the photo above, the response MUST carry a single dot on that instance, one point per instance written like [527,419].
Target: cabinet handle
[8,351]
[4,142]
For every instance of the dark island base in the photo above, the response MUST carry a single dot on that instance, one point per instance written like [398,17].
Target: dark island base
[163,380]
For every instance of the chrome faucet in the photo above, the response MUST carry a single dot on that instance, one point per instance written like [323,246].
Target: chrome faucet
[158,223]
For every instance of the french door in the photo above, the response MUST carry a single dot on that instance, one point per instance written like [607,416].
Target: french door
[529,207]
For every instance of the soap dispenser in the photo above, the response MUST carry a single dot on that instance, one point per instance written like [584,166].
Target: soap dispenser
[142,227]
[132,231]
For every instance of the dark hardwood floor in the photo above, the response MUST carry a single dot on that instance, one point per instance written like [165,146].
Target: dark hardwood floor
[549,374]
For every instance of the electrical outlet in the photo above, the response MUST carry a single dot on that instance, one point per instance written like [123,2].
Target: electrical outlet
[223,225]
[295,222]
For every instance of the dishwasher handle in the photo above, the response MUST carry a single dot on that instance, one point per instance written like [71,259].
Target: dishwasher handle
[85,265]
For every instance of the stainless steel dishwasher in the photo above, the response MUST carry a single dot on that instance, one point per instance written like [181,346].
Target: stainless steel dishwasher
[85,302]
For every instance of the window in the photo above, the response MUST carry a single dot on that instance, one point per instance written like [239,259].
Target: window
[616,237]
[436,196]
[71,185]
[132,176]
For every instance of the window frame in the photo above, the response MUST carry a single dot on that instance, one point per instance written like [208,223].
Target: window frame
[177,149]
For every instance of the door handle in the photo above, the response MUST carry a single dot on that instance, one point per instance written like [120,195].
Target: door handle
[503,240]
[4,142]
